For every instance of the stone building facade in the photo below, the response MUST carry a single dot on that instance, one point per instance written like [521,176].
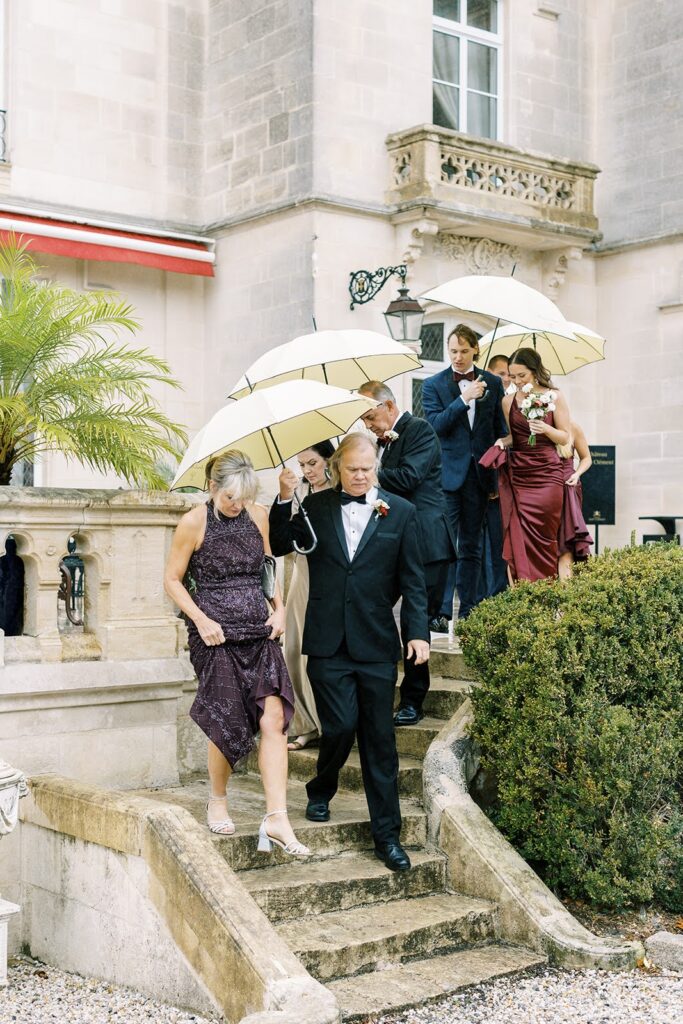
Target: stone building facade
[290,142]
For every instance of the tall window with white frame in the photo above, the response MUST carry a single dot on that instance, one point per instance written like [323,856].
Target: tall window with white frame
[467,66]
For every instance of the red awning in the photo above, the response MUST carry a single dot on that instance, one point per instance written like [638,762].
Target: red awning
[177,254]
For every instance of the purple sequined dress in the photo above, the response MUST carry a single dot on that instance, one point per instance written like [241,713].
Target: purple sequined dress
[235,677]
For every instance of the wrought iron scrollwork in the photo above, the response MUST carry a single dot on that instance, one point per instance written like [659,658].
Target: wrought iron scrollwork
[71,587]
[365,284]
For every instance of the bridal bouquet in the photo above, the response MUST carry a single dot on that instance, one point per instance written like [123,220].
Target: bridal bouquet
[536,406]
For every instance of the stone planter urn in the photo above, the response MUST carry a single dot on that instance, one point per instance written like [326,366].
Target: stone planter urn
[12,788]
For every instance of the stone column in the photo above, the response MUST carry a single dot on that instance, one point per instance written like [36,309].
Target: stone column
[12,788]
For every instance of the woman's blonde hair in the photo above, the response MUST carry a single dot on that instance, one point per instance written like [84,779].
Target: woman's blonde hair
[347,443]
[233,471]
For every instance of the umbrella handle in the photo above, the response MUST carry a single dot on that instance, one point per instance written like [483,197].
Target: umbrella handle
[314,539]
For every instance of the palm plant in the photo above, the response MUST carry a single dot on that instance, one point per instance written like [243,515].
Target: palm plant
[68,384]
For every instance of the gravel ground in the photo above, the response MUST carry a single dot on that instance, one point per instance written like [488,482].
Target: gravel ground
[38,994]
[560,997]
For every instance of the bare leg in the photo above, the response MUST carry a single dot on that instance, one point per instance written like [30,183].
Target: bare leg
[565,566]
[272,762]
[510,578]
[219,773]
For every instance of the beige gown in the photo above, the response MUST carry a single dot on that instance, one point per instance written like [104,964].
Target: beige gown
[305,718]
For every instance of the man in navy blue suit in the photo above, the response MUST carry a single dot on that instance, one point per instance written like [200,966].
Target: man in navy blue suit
[464,406]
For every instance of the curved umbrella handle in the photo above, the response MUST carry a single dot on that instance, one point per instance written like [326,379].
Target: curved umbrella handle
[314,539]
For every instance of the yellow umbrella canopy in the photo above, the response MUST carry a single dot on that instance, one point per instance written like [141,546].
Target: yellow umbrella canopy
[272,425]
[563,347]
[502,298]
[345,359]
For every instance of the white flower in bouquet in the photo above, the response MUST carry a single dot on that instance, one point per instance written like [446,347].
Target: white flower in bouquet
[527,388]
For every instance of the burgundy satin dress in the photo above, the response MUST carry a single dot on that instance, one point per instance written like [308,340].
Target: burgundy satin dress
[235,677]
[574,536]
[531,503]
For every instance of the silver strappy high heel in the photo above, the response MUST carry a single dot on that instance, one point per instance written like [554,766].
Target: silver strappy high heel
[265,840]
[225,827]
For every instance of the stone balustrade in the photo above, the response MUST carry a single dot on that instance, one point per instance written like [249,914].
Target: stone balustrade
[447,169]
[123,538]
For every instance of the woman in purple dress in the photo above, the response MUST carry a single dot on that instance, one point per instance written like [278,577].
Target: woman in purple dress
[243,687]
[532,481]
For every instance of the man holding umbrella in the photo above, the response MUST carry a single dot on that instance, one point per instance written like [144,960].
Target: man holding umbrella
[367,556]
[410,466]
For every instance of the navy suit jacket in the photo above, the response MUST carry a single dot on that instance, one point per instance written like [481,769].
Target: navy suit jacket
[353,600]
[411,467]
[460,444]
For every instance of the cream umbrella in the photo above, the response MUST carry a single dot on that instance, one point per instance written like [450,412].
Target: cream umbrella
[272,425]
[502,298]
[563,347]
[345,359]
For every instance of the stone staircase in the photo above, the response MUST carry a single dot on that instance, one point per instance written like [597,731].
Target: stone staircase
[380,940]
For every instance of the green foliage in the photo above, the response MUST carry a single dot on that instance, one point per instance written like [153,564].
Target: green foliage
[68,384]
[580,718]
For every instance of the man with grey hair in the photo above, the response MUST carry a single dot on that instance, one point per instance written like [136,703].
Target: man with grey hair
[366,557]
[410,466]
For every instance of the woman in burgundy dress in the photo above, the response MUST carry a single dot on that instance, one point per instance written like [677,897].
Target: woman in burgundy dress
[243,687]
[574,540]
[532,480]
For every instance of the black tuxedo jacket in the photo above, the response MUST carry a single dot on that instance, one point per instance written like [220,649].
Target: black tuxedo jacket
[460,443]
[411,468]
[354,600]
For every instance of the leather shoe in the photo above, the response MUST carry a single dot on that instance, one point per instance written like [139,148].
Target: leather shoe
[393,855]
[408,715]
[438,624]
[318,810]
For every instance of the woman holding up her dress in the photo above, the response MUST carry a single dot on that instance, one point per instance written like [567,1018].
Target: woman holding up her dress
[243,683]
[305,725]
[532,481]
[574,539]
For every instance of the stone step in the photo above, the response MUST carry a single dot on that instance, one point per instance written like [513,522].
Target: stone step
[448,662]
[338,944]
[348,829]
[391,990]
[444,697]
[414,740]
[302,764]
[299,890]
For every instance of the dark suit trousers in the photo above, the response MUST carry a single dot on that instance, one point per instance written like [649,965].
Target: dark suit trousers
[415,682]
[466,511]
[354,697]
[494,570]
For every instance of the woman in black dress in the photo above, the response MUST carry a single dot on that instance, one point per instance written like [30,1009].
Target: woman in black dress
[243,687]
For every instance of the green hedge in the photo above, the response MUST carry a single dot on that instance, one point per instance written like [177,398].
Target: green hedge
[580,719]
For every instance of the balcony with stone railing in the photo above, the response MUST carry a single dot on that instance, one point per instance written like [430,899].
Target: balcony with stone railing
[454,173]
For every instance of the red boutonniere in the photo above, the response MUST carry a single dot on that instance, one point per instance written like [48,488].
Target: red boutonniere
[381,509]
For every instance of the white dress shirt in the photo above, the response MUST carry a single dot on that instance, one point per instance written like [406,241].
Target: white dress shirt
[355,518]
[462,384]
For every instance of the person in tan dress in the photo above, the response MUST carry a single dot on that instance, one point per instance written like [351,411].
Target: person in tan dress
[304,727]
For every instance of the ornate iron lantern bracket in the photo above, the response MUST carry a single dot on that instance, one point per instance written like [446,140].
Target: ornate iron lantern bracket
[72,571]
[365,284]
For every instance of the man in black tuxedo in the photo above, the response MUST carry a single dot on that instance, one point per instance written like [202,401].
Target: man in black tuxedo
[464,405]
[410,466]
[367,556]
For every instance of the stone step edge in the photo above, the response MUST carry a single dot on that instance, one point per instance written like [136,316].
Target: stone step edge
[364,996]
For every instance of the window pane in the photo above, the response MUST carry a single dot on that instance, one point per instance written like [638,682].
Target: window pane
[447,9]
[482,14]
[482,68]
[481,115]
[431,337]
[446,106]
[446,58]
[418,408]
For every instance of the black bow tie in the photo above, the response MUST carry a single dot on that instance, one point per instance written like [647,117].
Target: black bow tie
[346,499]
[457,377]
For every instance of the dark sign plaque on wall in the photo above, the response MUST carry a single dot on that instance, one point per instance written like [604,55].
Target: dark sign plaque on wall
[599,488]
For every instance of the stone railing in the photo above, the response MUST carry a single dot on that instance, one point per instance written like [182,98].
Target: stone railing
[123,539]
[447,169]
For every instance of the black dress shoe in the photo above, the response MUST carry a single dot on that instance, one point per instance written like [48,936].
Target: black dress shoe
[408,715]
[393,855]
[318,810]
[438,625]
